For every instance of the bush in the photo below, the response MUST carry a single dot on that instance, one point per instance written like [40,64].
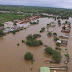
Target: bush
[42,29]
[67,55]
[28,56]
[58,48]
[49,34]
[58,44]
[56,38]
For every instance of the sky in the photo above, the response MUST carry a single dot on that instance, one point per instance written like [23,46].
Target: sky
[44,3]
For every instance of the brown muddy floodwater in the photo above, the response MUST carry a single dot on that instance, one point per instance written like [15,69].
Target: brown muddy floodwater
[12,56]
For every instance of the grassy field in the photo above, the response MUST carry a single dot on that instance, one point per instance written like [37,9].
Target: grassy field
[4,17]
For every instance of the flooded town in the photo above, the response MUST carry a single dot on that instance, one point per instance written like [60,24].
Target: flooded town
[12,56]
[35,36]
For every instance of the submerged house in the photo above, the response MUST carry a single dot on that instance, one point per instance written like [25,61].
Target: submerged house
[61,36]
[66,35]
[17,21]
[66,31]
[63,42]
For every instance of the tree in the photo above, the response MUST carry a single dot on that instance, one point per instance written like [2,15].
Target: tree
[59,22]
[49,34]
[58,44]
[55,34]
[37,21]
[63,27]
[31,40]
[15,24]
[1,33]
[55,54]
[56,38]
[67,55]
[18,44]
[48,50]
[1,24]
[58,48]
[66,22]
[28,56]
[23,41]
[36,35]
[42,29]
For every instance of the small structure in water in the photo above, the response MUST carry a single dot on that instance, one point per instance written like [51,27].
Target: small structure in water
[62,42]
[44,69]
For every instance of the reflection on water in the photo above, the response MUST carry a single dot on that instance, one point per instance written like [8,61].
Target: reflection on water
[12,56]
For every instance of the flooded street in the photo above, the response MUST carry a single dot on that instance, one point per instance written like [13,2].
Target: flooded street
[12,56]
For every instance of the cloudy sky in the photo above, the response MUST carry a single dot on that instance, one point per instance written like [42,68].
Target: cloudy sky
[45,3]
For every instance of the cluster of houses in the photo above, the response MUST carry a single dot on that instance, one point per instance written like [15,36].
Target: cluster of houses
[20,24]
[65,32]
[26,20]
[9,27]
[64,36]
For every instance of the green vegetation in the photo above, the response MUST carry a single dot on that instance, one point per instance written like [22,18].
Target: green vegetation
[56,55]
[66,22]
[63,27]
[14,24]
[36,35]
[18,44]
[23,41]
[61,13]
[67,55]
[56,38]
[28,56]
[49,34]
[48,16]
[59,22]
[58,48]
[42,29]
[1,24]
[1,33]
[31,40]
[4,17]
[58,44]
[65,49]
[55,34]
[67,60]
[48,25]
[49,50]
